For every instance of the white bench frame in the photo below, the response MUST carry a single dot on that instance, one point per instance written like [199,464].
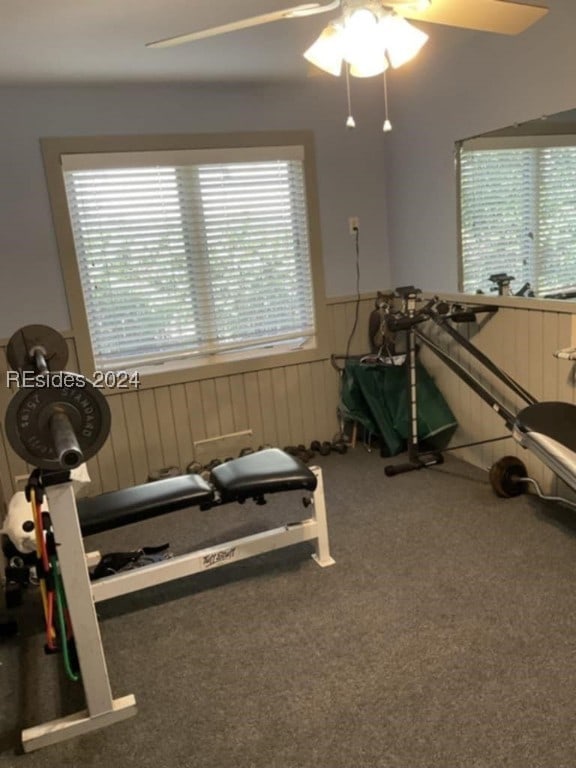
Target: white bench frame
[82,595]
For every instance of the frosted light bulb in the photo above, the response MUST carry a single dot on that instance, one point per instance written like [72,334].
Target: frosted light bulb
[361,33]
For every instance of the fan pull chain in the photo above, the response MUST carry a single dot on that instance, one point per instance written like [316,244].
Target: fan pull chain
[387,127]
[350,122]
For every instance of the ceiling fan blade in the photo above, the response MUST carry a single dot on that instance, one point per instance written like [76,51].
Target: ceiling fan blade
[307,9]
[501,16]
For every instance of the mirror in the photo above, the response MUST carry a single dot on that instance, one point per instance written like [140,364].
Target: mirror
[517,209]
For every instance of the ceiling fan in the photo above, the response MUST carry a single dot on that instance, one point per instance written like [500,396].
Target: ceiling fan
[500,16]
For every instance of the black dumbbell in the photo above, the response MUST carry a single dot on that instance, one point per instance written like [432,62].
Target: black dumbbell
[163,474]
[299,452]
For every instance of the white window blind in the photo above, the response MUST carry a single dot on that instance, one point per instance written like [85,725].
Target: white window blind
[518,215]
[186,254]
[556,252]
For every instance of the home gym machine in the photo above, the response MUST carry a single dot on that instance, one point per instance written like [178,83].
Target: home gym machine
[58,420]
[547,429]
[405,320]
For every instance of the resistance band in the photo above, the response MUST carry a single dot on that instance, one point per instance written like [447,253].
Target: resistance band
[52,591]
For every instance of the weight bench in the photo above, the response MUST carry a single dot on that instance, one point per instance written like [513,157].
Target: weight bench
[249,477]
[62,421]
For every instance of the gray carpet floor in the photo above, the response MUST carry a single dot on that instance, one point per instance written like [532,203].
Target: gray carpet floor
[444,637]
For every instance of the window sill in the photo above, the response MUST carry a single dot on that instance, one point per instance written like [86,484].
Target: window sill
[197,369]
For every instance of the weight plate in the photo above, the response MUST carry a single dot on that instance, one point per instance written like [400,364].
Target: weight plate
[504,476]
[29,413]
[22,344]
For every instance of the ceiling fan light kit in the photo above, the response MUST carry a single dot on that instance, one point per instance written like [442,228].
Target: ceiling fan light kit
[372,35]
[368,38]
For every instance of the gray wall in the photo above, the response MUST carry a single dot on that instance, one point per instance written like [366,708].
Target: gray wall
[461,85]
[350,169]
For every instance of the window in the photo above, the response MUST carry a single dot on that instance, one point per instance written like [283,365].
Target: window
[518,213]
[189,256]
[191,253]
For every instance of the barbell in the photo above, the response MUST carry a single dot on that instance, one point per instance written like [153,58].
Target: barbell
[57,419]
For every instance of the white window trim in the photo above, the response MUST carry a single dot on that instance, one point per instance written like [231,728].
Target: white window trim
[168,158]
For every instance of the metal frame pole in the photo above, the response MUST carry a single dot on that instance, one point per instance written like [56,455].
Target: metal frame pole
[322,556]
[102,709]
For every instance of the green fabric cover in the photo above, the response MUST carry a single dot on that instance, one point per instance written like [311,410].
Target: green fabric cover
[376,396]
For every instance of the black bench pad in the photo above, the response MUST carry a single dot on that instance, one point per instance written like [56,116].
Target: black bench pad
[553,419]
[253,476]
[264,472]
[132,505]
